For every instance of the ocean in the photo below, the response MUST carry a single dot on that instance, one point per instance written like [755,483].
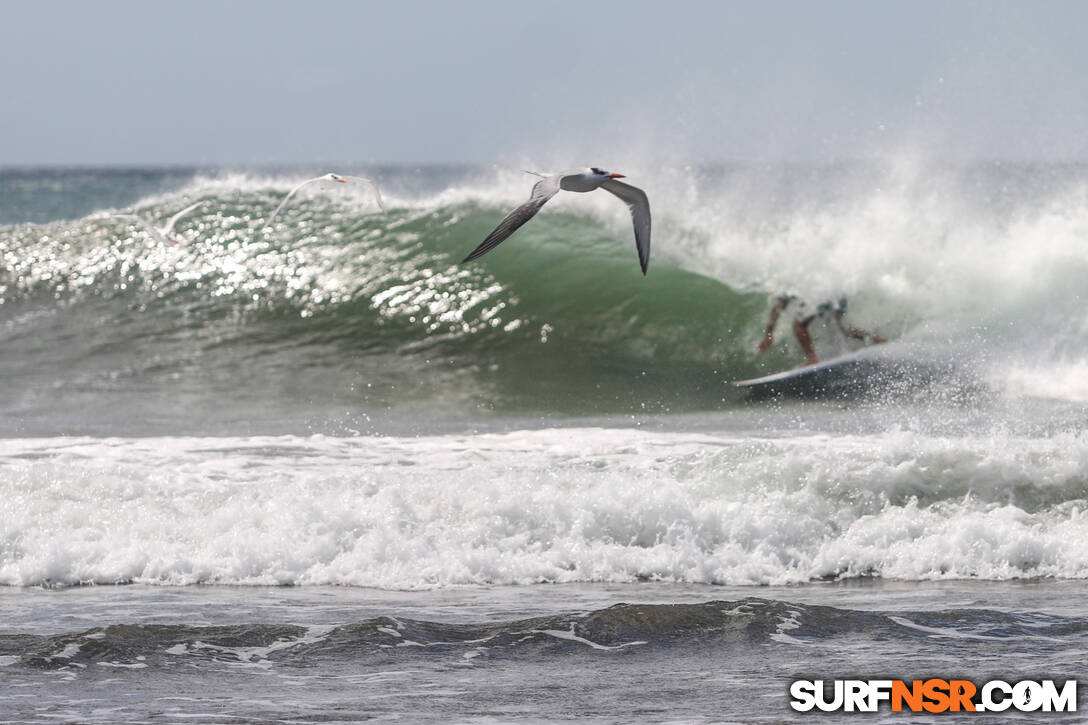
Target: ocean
[325,472]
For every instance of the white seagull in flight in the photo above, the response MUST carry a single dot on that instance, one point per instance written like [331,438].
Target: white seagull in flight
[327,180]
[576,180]
[164,233]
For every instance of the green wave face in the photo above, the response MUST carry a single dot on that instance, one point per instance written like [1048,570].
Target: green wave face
[340,302]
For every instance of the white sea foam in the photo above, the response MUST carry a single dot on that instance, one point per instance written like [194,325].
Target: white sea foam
[552,505]
[252,656]
[570,636]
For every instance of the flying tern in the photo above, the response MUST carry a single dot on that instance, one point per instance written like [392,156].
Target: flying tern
[160,234]
[576,180]
[328,180]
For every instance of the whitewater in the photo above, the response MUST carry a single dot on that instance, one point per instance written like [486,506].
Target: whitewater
[331,456]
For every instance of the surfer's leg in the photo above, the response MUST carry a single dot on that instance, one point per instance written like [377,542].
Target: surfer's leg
[800,331]
[857,333]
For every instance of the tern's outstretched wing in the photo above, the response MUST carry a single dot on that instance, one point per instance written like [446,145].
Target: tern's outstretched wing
[369,183]
[169,228]
[636,201]
[287,198]
[155,233]
[543,190]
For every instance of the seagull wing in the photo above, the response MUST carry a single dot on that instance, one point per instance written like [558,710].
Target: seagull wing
[636,201]
[543,190]
[155,233]
[368,183]
[287,198]
[169,228]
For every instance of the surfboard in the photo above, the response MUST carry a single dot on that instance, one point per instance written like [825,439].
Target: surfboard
[837,377]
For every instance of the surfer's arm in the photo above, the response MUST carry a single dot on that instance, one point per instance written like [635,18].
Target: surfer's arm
[768,334]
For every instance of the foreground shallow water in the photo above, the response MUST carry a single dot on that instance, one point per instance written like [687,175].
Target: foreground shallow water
[610,653]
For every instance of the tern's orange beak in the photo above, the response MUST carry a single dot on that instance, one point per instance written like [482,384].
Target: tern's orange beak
[341,181]
[616,176]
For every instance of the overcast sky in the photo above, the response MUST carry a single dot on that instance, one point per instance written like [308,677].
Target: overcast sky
[483,81]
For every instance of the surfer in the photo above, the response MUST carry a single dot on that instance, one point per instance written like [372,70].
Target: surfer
[803,316]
